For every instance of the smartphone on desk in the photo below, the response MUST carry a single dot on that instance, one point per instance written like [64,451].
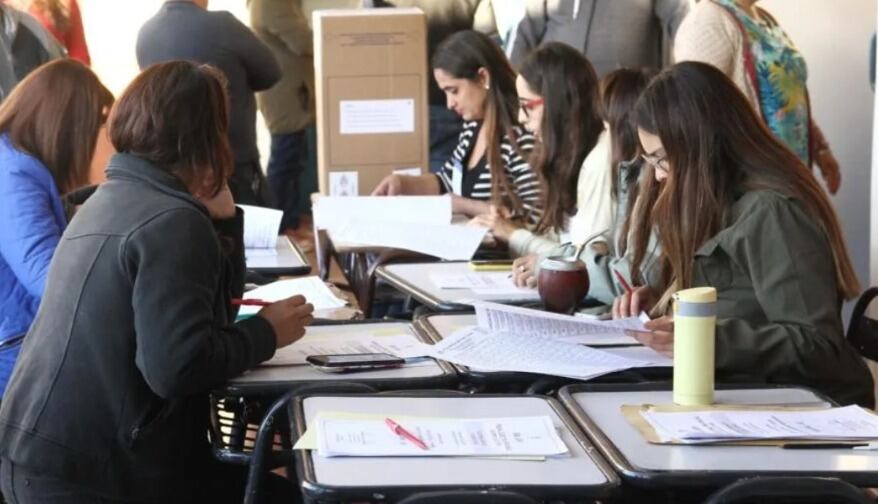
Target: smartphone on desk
[345,363]
[491,265]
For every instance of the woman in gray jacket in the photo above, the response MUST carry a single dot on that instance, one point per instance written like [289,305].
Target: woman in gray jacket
[109,400]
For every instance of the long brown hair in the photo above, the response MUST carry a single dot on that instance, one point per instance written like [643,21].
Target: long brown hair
[462,55]
[55,115]
[620,90]
[176,115]
[717,148]
[570,128]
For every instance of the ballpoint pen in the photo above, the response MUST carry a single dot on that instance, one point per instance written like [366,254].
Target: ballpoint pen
[408,436]
[622,281]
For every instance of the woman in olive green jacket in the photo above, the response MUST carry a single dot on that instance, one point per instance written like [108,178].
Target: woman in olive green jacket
[735,209]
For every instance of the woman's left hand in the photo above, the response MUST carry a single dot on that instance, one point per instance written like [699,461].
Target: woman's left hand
[829,168]
[660,336]
[221,206]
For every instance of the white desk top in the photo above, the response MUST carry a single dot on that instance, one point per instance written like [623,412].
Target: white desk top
[286,259]
[603,408]
[583,468]
[414,279]
[291,375]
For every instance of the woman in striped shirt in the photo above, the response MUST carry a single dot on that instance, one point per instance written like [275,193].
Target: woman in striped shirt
[479,86]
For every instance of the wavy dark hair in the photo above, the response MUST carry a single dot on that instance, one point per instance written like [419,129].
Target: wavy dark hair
[462,55]
[571,125]
[176,115]
[717,147]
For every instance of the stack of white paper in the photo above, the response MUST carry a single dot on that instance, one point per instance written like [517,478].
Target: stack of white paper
[261,227]
[459,437]
[499,317]
[418,223]
[487,350]
[498,284]
[314,290]
[850,423]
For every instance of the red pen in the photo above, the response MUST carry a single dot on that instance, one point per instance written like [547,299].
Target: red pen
[399,431]
[622,281]
[250,302]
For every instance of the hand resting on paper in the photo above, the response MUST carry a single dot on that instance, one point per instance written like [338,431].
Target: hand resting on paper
[498,221]
[661,335]
[523,271]
[288,317]
[642,299]
[392,185]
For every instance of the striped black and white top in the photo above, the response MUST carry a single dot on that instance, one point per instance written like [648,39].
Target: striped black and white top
[475,183]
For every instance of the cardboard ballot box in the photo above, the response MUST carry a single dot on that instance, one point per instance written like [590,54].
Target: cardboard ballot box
[371,78]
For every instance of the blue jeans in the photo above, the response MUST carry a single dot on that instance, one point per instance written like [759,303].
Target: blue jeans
[444,131]
[285,167]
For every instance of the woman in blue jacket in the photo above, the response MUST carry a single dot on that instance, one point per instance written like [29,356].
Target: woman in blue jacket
[49,127]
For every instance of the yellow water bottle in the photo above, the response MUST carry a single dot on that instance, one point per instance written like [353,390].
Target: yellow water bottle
[694,343]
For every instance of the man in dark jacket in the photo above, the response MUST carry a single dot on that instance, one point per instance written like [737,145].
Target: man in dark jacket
[186,30]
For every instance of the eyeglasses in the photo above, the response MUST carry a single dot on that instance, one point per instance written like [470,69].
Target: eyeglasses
[659,163]
[528,105]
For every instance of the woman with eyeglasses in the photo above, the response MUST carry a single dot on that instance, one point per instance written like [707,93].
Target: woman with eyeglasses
[479,86]
[49,127]
[559,102]
[735,209]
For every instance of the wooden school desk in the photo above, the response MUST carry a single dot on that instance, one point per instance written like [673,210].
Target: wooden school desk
[583,475]
[644,465]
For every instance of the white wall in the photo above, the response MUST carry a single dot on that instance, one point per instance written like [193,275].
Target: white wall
[834,38]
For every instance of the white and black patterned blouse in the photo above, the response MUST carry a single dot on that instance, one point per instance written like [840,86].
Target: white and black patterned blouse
[475,183]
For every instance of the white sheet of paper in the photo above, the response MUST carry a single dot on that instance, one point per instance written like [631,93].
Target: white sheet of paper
[849,422]
[412,172]
[296,354]
[332,213]
[498,317]
[344,184]
[314,290]
[485,350]
[447,241]
[529,436]
[370,117]
[487,284]
[261,226]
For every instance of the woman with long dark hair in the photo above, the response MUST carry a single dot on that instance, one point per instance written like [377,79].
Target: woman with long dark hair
[735,209]
[610,253]
[488,165]
[558,100]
